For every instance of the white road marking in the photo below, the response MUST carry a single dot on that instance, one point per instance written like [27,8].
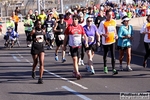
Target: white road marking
[83,87]
[18,60]
[19,55]
[6,54]
[76,93]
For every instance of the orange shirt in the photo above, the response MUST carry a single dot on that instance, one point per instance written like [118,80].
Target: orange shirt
[148,29]
[15,18]
[110,28]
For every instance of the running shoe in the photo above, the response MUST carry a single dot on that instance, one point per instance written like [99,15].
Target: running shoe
[48,47]
[79,62]
[29,45]
[129,68]
[51,47]
[56,58]
[76,75]
[63,60]
[144,64]
[69,54]
[82,63]
[87,67]
[33,75]
[120,68]
[40,81]
[92,70]
[105,70]
[114,72]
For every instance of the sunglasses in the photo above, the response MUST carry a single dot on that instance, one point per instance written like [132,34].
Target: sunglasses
[39,24]
[89,20]
[126,21]
[75,19]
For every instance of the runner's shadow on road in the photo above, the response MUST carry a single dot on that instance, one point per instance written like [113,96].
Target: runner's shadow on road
[15,77]
[135,59]
[63,93]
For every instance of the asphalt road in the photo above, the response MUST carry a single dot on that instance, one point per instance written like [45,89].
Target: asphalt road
[16,82]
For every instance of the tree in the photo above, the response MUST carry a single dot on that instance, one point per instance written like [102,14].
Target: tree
[6,4]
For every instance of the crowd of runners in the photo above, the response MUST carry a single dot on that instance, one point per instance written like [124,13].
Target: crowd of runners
[83,30]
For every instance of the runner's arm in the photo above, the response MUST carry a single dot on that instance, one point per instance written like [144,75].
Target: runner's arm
[55,26]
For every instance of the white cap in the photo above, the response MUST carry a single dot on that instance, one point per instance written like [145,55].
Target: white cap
[125,18]
[80,14]
[101,8]
[36,11]
[69,10]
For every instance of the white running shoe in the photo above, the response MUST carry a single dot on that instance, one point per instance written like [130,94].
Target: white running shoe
[92,70]
[129,68]
[29,45]
[82,63]
[79,62]
[51,47]
[69,54]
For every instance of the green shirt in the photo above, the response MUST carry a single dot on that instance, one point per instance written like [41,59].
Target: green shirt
[10,24]
[29,26]
[129,14]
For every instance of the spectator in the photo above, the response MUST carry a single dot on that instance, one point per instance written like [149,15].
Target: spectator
[17,11]
[15,18]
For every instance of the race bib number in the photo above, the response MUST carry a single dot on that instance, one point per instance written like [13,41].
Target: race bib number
[29,28]
[110,29]
[40,38]
[76,40]
[91,39]
[61,37]
[49,29]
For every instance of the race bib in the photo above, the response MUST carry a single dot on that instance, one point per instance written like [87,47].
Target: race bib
[110,29]
[29,28]
[40,38]
[76,40]
[49,29]
[91,39]
[61,37]
[51,36]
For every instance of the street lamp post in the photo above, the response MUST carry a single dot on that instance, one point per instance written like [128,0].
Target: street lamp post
[61,6]
[38,6]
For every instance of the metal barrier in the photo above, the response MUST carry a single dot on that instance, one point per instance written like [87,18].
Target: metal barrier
[4,19]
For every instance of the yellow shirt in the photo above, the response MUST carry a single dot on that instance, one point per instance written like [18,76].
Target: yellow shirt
[42,18]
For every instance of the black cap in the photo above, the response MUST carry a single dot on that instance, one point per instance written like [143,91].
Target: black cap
[68,14]
[61,16]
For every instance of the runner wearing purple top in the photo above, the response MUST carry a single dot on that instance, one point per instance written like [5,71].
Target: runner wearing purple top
[93,41]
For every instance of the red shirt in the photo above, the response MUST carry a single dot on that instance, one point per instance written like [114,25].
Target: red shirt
[75,34]
[68,21]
